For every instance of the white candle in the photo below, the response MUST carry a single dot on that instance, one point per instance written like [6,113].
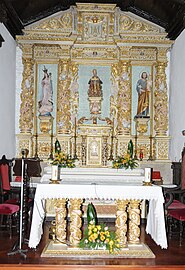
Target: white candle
[148,175]
[54,172]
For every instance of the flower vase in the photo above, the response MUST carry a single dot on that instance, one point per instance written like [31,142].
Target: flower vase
[55,174]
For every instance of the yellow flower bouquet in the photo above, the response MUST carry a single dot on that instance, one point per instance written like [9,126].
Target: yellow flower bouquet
[126,162]
[63,160]
[99,237]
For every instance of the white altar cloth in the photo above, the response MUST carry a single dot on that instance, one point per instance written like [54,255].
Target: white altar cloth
[155,220]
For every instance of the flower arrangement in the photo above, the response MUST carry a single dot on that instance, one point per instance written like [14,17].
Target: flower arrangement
[98,236]
[61,159]
[127,161]
[124,162]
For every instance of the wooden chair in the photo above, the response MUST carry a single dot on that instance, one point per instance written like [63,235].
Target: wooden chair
[175,205]
[7,194]
[10,211]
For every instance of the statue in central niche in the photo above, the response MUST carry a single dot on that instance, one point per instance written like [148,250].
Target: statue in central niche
[95,95]
[95,85]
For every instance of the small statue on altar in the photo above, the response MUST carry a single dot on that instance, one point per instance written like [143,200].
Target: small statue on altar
[57,146]
[130,148]
[95,85]
[141,154]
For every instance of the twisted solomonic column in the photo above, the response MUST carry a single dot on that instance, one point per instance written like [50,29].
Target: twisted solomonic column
[60,209]
[75,221]
[121,222]
[134,221]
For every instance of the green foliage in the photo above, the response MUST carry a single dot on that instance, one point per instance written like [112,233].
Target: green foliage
[91,214]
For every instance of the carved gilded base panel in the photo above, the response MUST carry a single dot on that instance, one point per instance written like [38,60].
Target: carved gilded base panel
[162,148]
[24,141]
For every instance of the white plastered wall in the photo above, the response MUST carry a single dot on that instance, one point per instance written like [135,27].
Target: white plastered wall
[177,97]
[7,94]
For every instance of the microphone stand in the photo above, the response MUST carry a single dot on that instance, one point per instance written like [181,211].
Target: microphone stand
[23,224]
[112,142]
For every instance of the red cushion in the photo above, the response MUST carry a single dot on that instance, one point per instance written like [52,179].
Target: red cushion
[12,201]
[8,209]
[176,205]
[156,175]
[177,214]
[5,176]
[18,179]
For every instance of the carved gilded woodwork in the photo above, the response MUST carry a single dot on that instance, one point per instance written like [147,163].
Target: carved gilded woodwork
[59,27]
[114,93]
[124,99]
[63,100]
[142,125]
[24,142]
[98,54]
[27,103]
[161,101]
[162,148]
[62,23]
[95,34]
[143,54]
[44,147]
[74,92]
[134,25]
[49,52]
[46,123]
[95,7]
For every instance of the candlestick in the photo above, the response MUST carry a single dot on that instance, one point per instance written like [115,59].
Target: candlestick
[113,128]
[148,175]
[54,172]
[151,142]
[135,155]
[51,149]
[75,136]
[36,140]
[112,139]
[75,128]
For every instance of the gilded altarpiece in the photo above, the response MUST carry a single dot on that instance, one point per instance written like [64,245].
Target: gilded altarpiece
[62,53]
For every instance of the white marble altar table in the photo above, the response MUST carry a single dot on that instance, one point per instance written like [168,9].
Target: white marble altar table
[155,220]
